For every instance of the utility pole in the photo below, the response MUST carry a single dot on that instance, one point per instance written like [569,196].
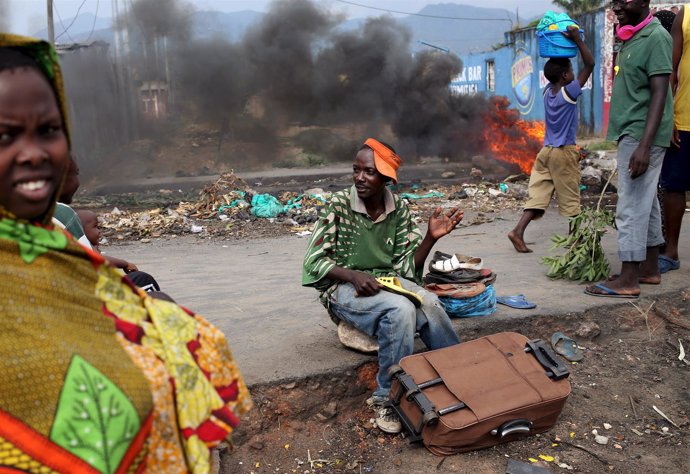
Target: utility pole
[51,27]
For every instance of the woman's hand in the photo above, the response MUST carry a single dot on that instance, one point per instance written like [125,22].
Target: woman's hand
[441,223]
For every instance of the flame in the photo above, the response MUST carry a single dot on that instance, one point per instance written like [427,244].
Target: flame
[511,139]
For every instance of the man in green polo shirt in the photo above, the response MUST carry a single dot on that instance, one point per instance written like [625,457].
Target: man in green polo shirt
[366,232]
[641,121]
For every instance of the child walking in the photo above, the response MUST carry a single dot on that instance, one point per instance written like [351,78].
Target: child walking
[557,165]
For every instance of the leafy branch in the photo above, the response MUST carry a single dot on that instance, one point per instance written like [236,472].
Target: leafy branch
[584,259]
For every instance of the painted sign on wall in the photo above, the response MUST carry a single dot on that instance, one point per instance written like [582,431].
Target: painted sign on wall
[468,82]
[522,75]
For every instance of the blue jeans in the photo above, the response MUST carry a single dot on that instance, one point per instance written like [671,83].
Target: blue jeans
[393,320]
[638,215]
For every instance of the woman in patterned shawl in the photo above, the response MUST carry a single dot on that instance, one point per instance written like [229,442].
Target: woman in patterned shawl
[95,376]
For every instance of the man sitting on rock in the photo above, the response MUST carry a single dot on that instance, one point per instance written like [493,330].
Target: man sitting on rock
[364,233]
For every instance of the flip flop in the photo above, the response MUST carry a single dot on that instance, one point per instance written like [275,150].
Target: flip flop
[566,347]
[393,285]
[455,262]
[515,301]
[641,280]
[607,292]
[666,264]
[456,290]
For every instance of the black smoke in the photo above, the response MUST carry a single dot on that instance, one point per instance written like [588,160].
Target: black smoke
[298,68]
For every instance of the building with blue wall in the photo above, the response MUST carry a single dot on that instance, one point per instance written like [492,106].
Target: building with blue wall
[515,70]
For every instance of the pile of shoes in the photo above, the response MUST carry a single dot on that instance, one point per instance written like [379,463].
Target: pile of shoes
[463,285]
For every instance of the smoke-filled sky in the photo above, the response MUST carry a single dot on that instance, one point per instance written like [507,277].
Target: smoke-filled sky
[29,16]
[303,70]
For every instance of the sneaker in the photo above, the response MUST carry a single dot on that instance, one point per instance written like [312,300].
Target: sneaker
[387,420]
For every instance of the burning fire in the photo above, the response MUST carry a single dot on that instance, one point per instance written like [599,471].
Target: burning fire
[511,139]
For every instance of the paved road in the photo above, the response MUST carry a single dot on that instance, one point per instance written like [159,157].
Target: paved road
[278,330]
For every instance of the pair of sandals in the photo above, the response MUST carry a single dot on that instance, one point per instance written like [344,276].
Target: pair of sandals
[456,290]
[485,276]
[456,261]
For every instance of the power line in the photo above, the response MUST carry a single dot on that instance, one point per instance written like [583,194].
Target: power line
[64,30]
[95,17]
[423,14]
[70,25]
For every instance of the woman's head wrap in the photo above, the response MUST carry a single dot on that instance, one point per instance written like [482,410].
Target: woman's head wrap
[45,56]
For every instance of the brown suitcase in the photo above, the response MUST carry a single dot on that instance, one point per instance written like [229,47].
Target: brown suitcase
[480,393]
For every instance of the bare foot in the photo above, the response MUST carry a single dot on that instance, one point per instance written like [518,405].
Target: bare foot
[613,288]
[643,280]
[518,243]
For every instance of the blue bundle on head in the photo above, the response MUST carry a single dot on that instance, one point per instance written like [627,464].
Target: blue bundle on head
[552,43]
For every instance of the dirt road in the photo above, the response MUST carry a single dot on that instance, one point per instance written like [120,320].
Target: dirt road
[310,391]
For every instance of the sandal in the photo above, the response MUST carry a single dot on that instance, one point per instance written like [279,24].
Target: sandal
[515,301]
[566,347]
[393,285]
[458,290]
[666,264]
[456,262]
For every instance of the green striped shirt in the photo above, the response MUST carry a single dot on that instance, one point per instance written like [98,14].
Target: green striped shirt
[346,236]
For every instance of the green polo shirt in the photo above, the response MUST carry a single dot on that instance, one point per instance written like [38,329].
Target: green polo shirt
[346,236]
[647,54]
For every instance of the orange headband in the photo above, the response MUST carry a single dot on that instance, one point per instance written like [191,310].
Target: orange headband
[387,162]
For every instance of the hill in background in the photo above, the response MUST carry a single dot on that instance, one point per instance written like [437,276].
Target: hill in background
[459,36]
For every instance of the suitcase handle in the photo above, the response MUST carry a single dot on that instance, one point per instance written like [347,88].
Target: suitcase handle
[520,425]
[555,368]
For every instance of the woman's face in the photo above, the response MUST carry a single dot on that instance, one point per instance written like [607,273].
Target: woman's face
[33,143]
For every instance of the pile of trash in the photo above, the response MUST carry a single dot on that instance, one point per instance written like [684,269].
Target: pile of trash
[230,207]
[125,225]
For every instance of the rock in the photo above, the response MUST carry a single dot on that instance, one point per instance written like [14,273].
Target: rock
[617,446]
[321,417]
[607,426]
[599,439]
[331,409]
[256,443]
[448,174]
[355,339]
[588,330]
[290,386]
[590,176]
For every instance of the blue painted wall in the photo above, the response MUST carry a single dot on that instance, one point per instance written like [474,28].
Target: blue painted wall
[519,76]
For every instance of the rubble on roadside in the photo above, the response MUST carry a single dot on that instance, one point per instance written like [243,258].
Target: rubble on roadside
[230,208]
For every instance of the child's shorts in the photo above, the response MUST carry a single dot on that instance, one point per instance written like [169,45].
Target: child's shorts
[675,172]
[556,169]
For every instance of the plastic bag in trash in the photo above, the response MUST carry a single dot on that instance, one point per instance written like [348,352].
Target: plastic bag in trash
[265,205]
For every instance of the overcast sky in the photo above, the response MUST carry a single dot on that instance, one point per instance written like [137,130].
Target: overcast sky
[29,16]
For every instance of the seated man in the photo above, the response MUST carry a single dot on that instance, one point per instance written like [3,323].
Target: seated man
[366,232]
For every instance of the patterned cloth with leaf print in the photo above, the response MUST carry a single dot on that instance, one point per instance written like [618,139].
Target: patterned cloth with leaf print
[96,376]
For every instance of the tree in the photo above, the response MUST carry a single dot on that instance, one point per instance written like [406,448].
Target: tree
[577,7]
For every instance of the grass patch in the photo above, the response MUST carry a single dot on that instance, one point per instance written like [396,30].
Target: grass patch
[602,146]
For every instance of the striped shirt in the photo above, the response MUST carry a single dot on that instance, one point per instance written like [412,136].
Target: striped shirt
[346,236]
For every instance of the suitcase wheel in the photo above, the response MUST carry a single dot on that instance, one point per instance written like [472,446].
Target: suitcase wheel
[430,418]
[394,370]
